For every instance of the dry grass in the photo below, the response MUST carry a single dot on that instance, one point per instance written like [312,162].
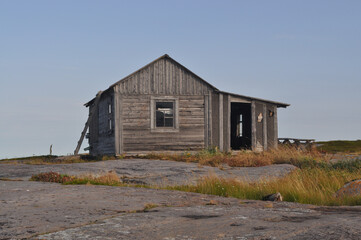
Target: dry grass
[309,186]
[215,158]
[110,179]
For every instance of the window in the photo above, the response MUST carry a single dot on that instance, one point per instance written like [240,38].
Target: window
[110,124]
[164,111]
[240,126]
[110,107]
[164,114]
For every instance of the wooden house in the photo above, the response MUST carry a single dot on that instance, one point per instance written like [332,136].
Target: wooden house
[165,107]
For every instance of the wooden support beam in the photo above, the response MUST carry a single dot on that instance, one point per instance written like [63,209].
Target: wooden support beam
[253,117]
[117,121]
[206,121]
[221,122]
[275,127]
[265,140]
[210,134]
[90,118]
[229,125]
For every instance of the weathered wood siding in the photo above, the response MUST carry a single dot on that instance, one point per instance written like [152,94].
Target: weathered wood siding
[259,126]
[101,139]
[215,120]
[93,130]
[264,133]
[137,135]
[226,123]
[163,77]
[272,136]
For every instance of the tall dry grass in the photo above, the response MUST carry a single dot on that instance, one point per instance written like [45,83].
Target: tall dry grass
[213,157]
[309,186]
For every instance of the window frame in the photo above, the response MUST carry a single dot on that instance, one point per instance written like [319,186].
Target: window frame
[153,109]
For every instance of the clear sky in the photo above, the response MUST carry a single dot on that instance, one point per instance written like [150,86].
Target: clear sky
[56,55]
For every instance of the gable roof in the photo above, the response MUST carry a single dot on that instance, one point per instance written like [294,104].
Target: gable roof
[167,57]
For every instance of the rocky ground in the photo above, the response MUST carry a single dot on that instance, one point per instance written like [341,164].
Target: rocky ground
[144,171]
[52,211]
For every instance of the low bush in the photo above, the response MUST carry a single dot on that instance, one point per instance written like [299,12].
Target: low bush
[51,177]
[110,178]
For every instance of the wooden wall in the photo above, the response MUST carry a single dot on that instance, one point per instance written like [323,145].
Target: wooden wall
[215,119]
[259,127]
[264,133]
[164,77]
[272,132]
[137,135]
[101,139]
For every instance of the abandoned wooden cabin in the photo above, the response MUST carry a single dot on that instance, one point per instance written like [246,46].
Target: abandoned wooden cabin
[166,107]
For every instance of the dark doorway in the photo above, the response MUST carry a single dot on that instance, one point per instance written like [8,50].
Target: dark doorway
[241,130]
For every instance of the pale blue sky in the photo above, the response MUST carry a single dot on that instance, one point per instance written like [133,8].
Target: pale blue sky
[56,55]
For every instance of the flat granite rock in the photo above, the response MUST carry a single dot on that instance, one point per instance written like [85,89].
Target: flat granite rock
[34,210]
[154,172]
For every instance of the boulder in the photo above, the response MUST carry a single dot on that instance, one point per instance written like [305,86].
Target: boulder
[275,197]
[351,189]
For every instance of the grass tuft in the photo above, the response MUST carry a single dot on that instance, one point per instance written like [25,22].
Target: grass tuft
[309,186]
[213,157]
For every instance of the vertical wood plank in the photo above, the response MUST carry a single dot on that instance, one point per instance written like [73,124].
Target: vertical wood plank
[253,117]
[229,125]
[275,122]
[206,121]
[220,122]
[116,120]
[265,141]
[210,118]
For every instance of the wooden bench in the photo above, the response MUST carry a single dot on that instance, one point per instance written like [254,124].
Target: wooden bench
[297,142]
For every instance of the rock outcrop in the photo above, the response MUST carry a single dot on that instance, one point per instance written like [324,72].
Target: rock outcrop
[350,189]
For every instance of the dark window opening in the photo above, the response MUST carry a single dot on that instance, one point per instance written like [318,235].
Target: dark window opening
[110,108]
[240,126]
[164,114]
[110,124]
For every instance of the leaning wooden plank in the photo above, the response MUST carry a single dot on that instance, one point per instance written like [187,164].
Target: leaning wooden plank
[90,118]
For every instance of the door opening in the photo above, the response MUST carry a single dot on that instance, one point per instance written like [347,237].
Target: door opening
[241,130]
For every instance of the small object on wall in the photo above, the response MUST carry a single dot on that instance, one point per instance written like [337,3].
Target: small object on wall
[271,113]
[260,117]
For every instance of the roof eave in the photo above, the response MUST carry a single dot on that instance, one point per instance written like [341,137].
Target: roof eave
[278,104]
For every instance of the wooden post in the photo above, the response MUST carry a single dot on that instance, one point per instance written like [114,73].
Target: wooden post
[206,120]
[253,117]
[265,140]
[229,125]
[117,124]
[221,122]
[210,119]
[275,127]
